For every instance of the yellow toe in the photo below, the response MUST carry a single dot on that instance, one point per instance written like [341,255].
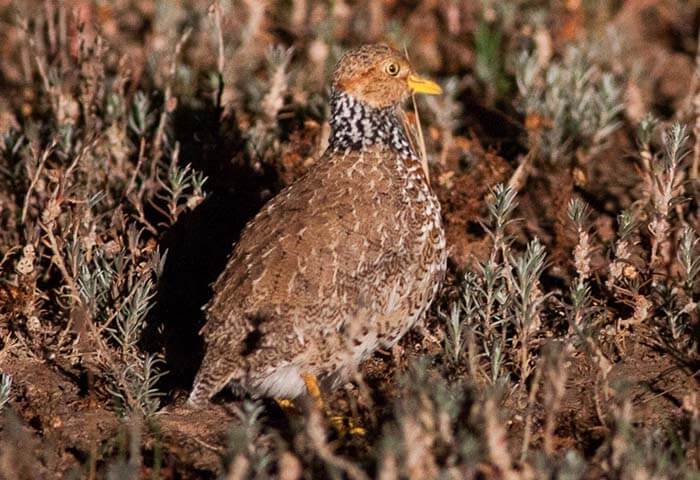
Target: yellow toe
[286,405]
[346,426]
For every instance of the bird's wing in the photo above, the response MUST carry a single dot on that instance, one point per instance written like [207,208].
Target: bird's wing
[315,249]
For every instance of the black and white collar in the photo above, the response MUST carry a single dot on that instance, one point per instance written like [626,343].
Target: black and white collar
[355,125]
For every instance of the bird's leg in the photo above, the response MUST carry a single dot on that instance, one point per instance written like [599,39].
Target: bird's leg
[314,390]
[343,425]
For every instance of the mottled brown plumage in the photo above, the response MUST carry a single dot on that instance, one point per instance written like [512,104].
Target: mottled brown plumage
[341,262]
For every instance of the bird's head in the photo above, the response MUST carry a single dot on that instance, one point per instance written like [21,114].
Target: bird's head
[379,76]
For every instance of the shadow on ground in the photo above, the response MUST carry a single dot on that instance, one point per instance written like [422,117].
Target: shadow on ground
[199,244]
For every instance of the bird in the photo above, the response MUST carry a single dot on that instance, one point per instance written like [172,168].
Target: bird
[343,261]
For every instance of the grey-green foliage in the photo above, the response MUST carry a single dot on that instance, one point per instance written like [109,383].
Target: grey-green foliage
[134,389]
[487,288]
[245,438]
[666,168]
[527,269]
[688,258]
[675,140]
[501,297]
[645,130]
[142,116]
[577,101]
[131,316]
[501,207]
[627,225]
[579,213]
[118,289]
[5,386]
[182,188]
[95,281]
[454,331]
[581,302]
[11,144]
[117,293]
[666,178]
[680,303]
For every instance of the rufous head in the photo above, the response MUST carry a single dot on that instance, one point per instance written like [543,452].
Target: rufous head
[379,76]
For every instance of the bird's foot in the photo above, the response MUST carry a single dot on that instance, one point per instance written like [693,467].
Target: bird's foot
[344,426]
[287,406]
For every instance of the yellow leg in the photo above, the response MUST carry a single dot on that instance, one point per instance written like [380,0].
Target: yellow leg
[313,389]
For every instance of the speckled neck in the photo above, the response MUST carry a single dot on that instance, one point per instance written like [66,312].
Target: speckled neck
[355,125]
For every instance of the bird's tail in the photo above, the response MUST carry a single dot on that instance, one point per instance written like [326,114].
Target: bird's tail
[200,395]
[212,377]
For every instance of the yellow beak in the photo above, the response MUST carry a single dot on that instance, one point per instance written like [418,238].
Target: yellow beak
[421,85]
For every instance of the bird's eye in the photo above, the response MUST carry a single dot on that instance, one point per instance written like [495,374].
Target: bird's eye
[392,69]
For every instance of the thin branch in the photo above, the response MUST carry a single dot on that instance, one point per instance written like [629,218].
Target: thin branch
[35,179]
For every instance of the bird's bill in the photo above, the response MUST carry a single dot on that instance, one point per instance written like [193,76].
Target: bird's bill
[421,85]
